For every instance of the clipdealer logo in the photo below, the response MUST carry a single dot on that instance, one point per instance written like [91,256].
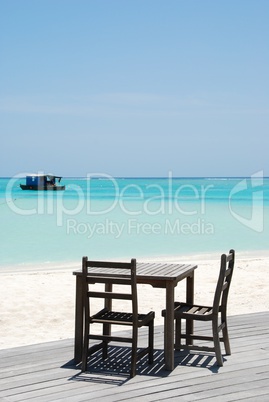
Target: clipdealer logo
[135,227]
[170,202]
[255,221]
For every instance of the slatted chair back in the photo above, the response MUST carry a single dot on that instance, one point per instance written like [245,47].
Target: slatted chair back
[224,282]
[110,273]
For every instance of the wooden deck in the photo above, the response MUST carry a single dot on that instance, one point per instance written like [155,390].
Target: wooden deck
[46,372]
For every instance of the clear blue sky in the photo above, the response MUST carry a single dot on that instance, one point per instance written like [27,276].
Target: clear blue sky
[134,87]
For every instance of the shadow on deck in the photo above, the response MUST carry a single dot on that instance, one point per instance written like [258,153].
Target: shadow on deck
[47,372]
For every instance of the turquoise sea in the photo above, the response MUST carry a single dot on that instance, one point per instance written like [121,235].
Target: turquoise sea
[105,217]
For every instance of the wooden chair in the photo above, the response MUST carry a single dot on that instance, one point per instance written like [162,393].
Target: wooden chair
[217,314]
[109,274]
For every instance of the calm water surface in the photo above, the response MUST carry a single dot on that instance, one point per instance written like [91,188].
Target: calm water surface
[104,217]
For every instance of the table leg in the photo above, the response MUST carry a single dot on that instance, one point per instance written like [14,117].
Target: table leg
[169,327]
[189,299]
[78,320]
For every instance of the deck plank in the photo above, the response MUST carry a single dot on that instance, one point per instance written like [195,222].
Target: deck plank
[46,372]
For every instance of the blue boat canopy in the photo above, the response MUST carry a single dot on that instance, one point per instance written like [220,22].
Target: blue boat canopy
[41,179]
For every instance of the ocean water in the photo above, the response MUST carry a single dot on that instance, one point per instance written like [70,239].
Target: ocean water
[108,218]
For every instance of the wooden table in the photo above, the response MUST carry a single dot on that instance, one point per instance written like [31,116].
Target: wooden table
[158,275]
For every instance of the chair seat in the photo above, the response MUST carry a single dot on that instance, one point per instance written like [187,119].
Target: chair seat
[193,311]
[120,318]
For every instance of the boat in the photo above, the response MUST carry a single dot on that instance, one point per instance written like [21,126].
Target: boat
[42,182]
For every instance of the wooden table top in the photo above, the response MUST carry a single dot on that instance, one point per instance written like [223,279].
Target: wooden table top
[153,272]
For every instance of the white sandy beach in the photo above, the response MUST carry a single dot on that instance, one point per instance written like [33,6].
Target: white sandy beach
[38,305]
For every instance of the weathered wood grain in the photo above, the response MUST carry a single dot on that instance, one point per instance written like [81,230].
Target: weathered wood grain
[47,372]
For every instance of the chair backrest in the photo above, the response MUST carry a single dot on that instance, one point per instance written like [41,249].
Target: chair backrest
[224,282]
[110,273]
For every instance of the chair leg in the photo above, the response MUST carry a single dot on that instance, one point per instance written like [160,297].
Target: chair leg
[106,331]
[226,339]
[217,342]
[189,331]
[134,353]
[164,334]
[151,342]
[178,334]
[85,354]
[104,348]
[225,332]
